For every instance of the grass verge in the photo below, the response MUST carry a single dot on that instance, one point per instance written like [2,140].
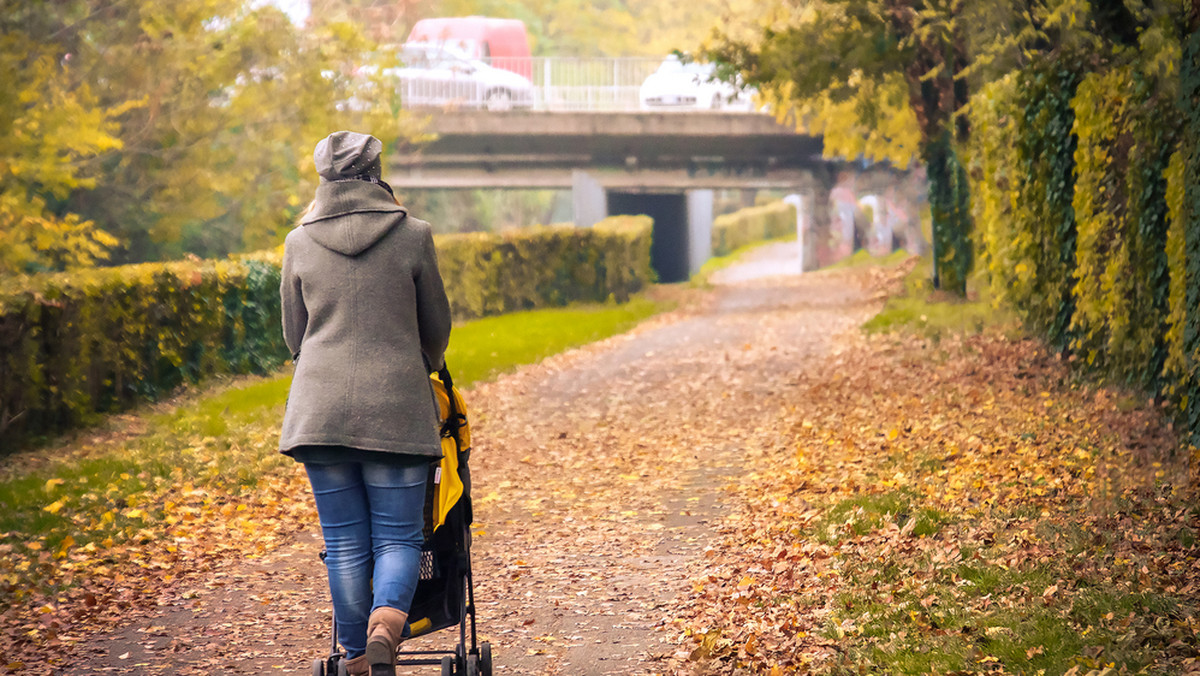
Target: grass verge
[485,348]
[862,258]
[933,314]
[204,476]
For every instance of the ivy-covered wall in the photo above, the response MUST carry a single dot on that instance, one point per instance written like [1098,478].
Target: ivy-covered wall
[1188,215]
[1045,187]
[74,345]
[1085,183]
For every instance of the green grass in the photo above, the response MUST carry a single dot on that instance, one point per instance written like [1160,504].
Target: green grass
[978,615]
[223,438]
[933,314]
[862,258]
[975,614]
[485,348]
[863,514]
[214,414]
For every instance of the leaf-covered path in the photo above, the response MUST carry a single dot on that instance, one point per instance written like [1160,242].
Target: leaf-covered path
[597,476]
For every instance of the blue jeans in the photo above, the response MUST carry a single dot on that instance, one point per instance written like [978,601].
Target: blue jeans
[371,516]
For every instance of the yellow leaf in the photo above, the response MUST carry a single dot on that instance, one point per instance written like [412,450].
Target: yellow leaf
[50,484]
[892,434]
[54,507]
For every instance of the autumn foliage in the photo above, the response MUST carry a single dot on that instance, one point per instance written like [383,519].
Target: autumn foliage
[1080,173]
[962,506]
[94,341]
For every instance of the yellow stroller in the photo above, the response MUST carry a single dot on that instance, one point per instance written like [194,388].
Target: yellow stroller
[445,594]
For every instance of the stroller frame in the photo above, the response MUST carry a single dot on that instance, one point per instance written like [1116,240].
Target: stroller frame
[445,593]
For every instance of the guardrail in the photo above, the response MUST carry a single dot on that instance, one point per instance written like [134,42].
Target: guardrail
[555,84]
[589,84]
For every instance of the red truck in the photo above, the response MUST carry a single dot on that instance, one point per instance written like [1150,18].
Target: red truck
[502,43]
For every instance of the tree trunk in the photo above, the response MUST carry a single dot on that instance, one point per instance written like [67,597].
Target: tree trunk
[935,101]
[950,209]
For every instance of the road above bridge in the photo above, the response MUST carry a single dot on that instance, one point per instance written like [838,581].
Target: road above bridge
[647,150]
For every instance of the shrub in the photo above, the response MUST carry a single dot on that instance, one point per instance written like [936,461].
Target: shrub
[1126,139]
[754,224]
[490,274]
[994,171]
[80,343]
[73,345]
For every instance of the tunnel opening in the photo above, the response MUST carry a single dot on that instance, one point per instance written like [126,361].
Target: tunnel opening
[669,242]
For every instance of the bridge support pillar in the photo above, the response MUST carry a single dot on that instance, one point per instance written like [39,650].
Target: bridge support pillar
[816,252]
[588,198]
[700,223]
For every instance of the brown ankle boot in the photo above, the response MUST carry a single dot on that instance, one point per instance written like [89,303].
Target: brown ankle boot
[358,666]
[384,629]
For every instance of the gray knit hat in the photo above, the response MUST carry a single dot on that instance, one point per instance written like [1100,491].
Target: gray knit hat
[347,154]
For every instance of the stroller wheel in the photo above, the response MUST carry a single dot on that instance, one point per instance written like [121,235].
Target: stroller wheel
[447,666]
[460,659]
[485,659]
[318,668]
[472,665]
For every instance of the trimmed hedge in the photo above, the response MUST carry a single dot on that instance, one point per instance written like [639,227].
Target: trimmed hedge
[754,224]
[81,343]
[74,345]
[490,274]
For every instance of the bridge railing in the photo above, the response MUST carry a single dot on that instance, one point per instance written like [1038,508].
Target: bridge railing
[603,84]
[588,84]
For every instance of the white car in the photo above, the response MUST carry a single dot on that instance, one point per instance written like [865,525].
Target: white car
[677,85]
[441,75]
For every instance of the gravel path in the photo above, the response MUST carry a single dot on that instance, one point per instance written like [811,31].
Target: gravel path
[598,478]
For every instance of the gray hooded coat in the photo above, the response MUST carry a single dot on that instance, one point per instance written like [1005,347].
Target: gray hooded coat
[364,312]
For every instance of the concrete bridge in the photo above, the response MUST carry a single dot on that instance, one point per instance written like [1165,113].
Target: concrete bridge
[665,165]
[678,151]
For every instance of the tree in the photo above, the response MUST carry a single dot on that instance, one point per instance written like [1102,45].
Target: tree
[877,58]
[212,108]
[49,131]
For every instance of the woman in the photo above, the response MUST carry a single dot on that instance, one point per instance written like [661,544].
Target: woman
[366,318]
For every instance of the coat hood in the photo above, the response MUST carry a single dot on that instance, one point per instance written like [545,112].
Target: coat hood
[350,216]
